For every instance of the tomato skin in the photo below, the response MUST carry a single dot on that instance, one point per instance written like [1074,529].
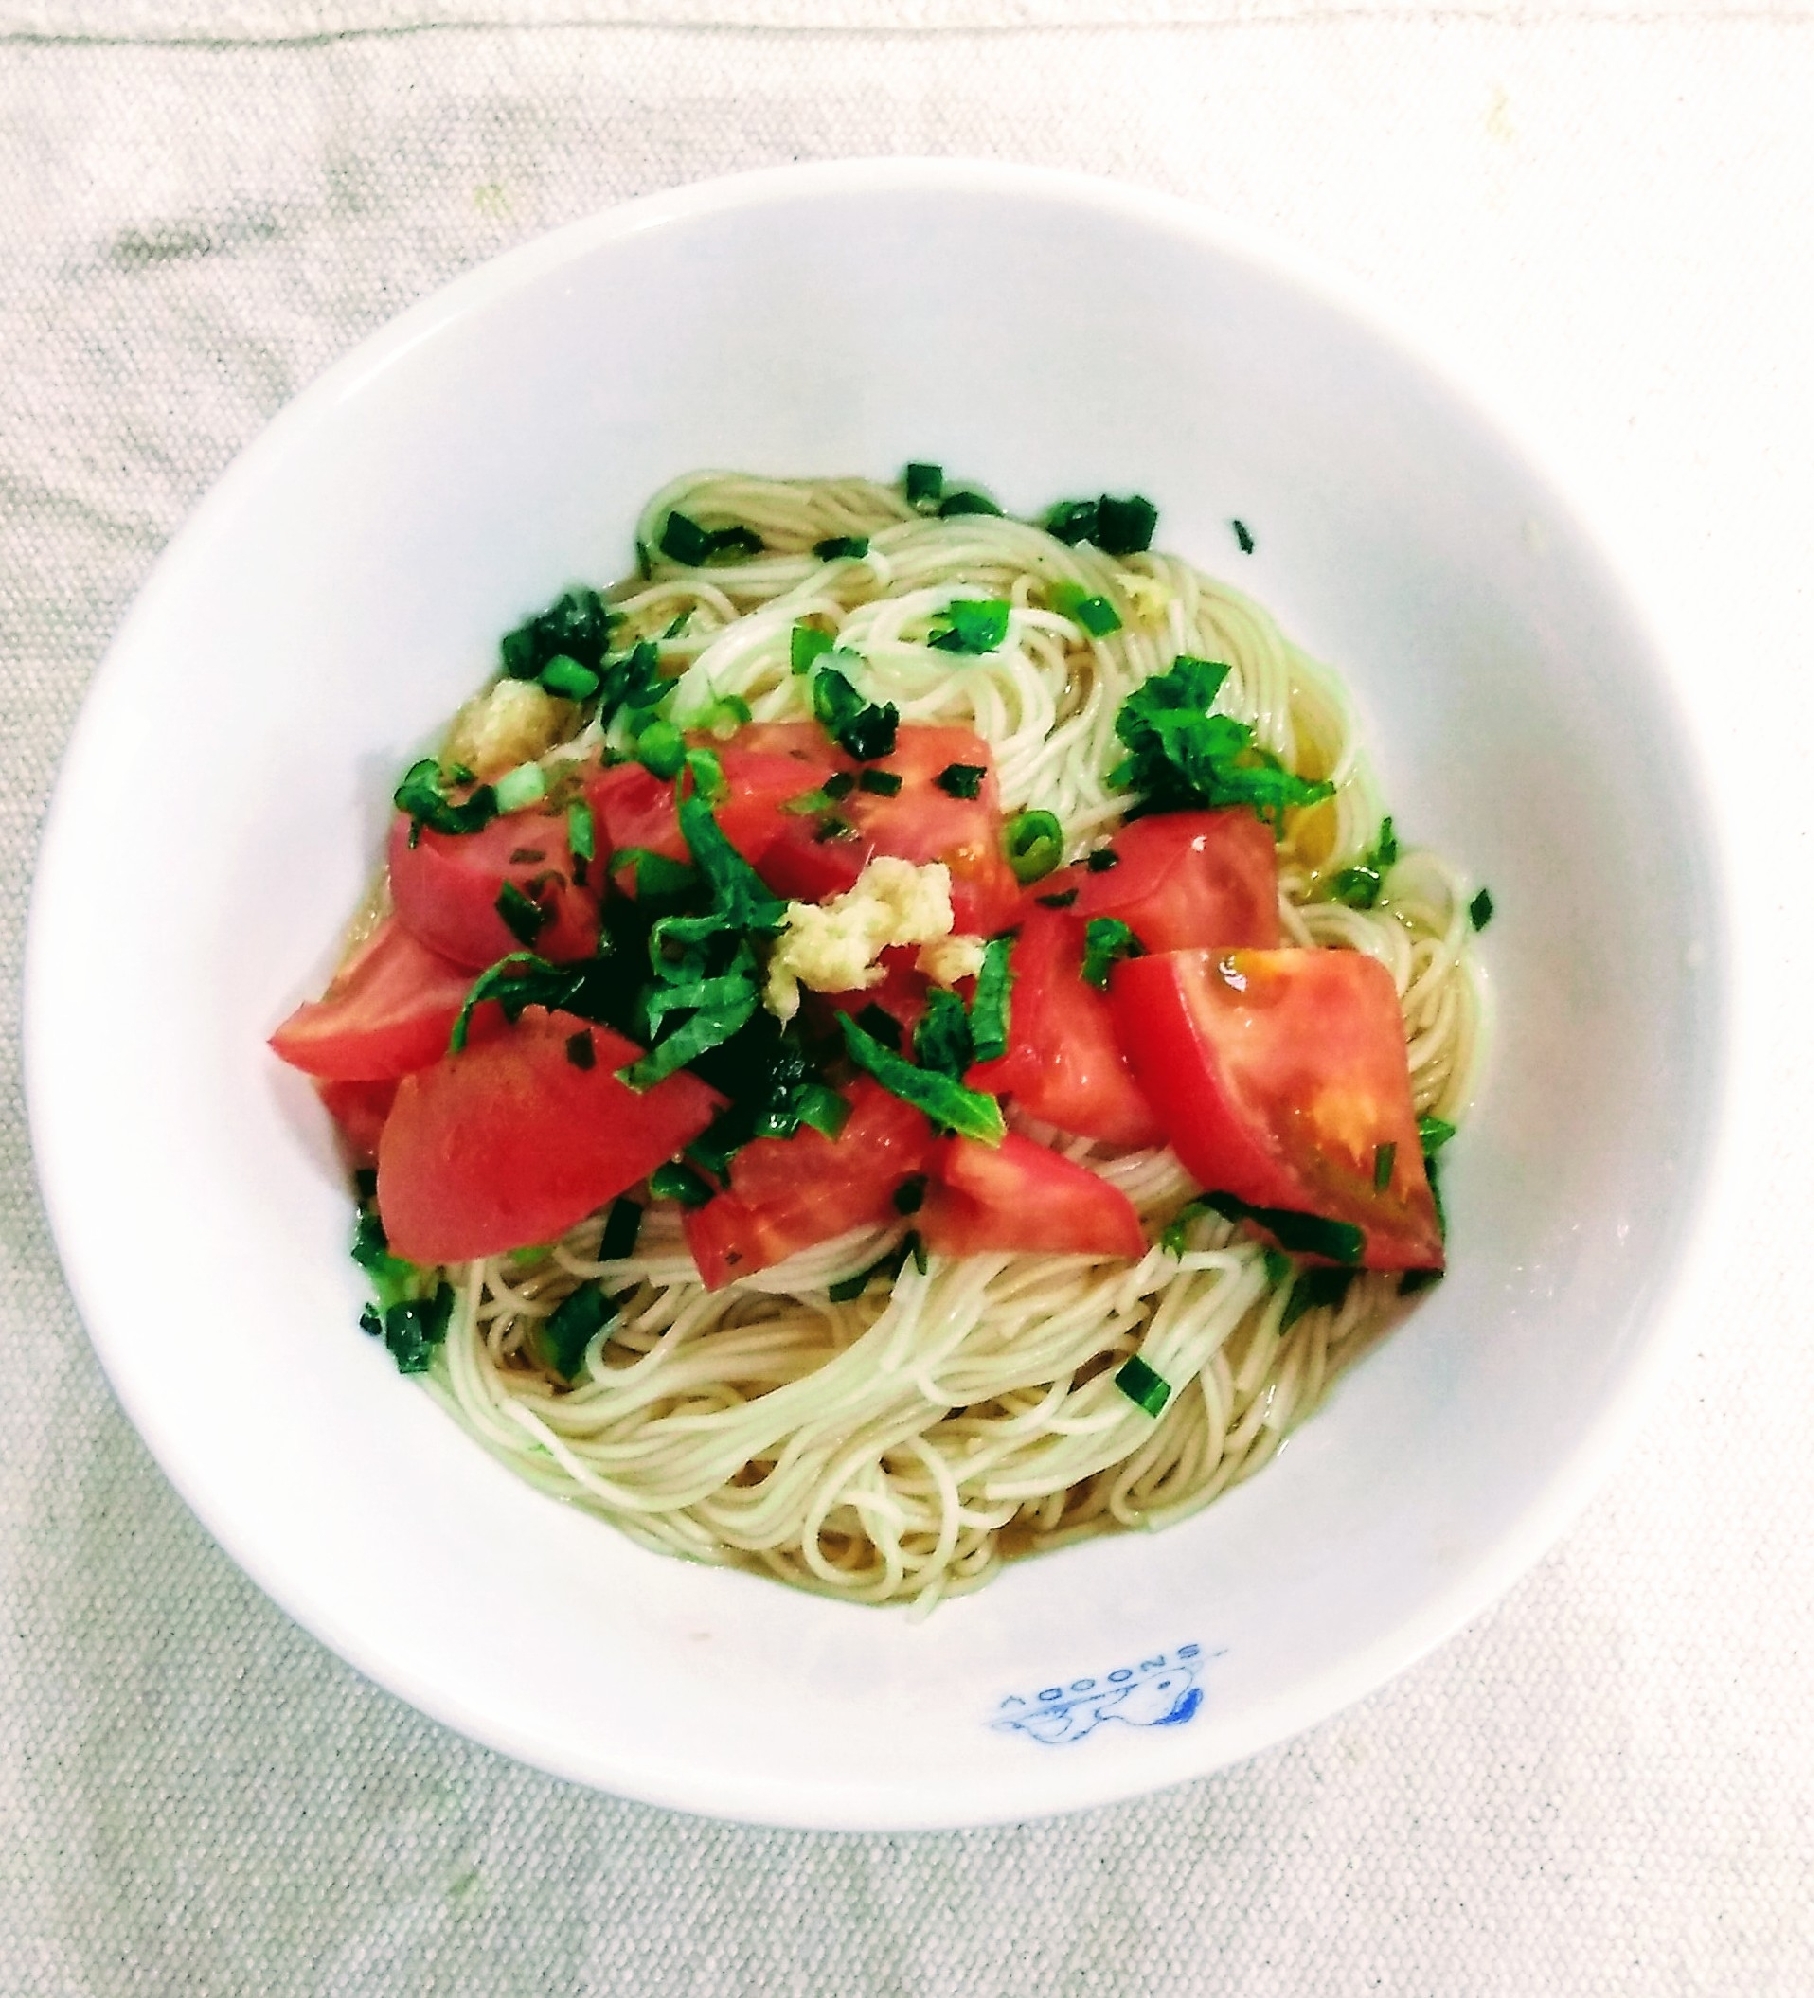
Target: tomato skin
[1278,1075]
[358,1110]
[387,1010]
[788,1193]
[446,888]
[510,1143]
[1184,881]
[1064,1063]
[1022,1198]
[764,766]
[921,823]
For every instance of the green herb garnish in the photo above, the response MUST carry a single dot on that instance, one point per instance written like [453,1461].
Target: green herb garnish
[1314,1287]
[622,1226]
[1072,521]
[1183,758]
[941,1040]
[523,917]
[575,627]
[415,1326]
[889,1266]
[989,1007]
[972,624]
[1062,900]
[961,780]
[1242,536]
[582,833]
[1144,1388]
[569,1329]
[1125,526]
[1384,1158]
[569,679]
[948,1103]
[519,788]
[1106,941]
[861,729]
[1034,842]
[880,783]
[910,1195]
[955,505]
[661,749]
[837,546]
[580,1049]
[1359,886]
[1101,859]
[1480,910]
[1302,1234]
[422,795]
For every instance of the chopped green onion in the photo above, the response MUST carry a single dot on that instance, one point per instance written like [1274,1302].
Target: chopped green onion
[1242,536]
[661,749]
[1125,526]
[580,1050]
[683,540]
[989,1006]
[1106,941]
[1144,1388]
[674,1181]
[563,1337]
[707,774]
[961,780]
[622,1225]
[839,546]
[1480,910]
[568,678]
[576,626]
[954,505]
[724,717]
[522,786]
[973,624]
[971,1113]
[1384,1158]
[1035,845]
[1096,614]
[414,1327]
[1072,521]
[807,643]
[523,918]
[923,483]
[883,783]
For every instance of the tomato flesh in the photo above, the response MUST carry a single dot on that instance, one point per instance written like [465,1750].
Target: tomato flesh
[788,1193]
[1064,1063]
[1184,881]
[1279,1076]
[511,1142]
[1021,1198]
[358,1110]
[765,767]
[921,823]
[446,888]
[389,1009]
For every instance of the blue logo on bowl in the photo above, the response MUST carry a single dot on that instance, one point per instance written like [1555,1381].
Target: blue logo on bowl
[1160,1691]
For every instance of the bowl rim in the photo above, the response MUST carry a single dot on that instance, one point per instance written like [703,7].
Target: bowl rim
[1710,1191]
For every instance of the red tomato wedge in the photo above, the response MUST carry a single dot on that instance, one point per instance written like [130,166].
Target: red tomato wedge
[1064,1063]
[764,767]
[446,888]
[511,1142]
[387,1010]
[1018,1197]
[788,1193]
[921,823]
[1184,881]
[1280,1076]
[358,1110]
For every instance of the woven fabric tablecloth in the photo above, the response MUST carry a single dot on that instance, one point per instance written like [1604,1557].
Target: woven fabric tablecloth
[1606,1785]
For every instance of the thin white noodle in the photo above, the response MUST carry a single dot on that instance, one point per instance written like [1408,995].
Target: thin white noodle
[898,1446]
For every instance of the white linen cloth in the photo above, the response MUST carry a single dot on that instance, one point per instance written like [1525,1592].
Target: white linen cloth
[1607,1785]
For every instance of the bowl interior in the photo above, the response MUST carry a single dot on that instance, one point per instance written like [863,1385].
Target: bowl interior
[344,588]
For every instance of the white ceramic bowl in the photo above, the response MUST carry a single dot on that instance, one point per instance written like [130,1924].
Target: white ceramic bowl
[344,587]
